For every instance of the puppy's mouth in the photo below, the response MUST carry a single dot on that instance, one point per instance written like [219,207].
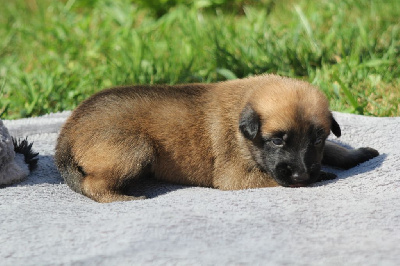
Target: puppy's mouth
[292,184]
[298,185]
[289,182]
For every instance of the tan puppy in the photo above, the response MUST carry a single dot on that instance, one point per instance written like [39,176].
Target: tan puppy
[256,132]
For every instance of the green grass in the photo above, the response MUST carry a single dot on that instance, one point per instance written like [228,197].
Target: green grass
[54,54]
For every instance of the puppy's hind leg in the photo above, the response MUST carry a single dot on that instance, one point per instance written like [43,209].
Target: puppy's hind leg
[338,156]
[101,188]
[110,169]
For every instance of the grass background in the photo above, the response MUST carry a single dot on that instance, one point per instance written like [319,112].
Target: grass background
[54,54]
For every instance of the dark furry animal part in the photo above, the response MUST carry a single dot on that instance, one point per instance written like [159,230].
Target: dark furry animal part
[25,148]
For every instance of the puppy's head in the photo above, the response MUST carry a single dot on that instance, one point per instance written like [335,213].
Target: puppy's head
[285,125]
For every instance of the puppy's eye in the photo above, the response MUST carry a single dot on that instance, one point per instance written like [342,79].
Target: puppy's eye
[277,141]
[318,142]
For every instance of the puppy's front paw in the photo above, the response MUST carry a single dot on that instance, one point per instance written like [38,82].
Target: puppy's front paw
[359,156]
[367,153]
[362,155]
[325,176]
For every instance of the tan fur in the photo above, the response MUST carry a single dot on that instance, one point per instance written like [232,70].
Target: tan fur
[186,134]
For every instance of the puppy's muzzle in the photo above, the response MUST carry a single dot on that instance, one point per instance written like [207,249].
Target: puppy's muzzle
[290,175]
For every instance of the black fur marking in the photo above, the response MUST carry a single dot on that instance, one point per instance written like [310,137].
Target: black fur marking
[297,162]
[25,148]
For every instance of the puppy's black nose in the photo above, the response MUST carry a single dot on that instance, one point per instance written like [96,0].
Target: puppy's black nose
[299,177]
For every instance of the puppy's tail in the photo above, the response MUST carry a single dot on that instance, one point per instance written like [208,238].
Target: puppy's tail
[68,167]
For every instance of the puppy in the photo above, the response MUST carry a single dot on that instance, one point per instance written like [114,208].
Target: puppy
[257,132]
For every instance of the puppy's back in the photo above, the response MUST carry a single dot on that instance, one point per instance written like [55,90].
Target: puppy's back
[159,123]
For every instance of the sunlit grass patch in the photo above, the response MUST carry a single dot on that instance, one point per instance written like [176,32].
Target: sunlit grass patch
[54,54]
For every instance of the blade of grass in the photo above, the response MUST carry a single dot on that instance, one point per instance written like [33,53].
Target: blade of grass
[226,73]
[352,100]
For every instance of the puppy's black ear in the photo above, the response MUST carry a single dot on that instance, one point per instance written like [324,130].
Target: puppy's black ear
[249,122]
[335,127]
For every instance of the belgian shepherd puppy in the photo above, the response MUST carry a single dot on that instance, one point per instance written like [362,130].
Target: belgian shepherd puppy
[256,132]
